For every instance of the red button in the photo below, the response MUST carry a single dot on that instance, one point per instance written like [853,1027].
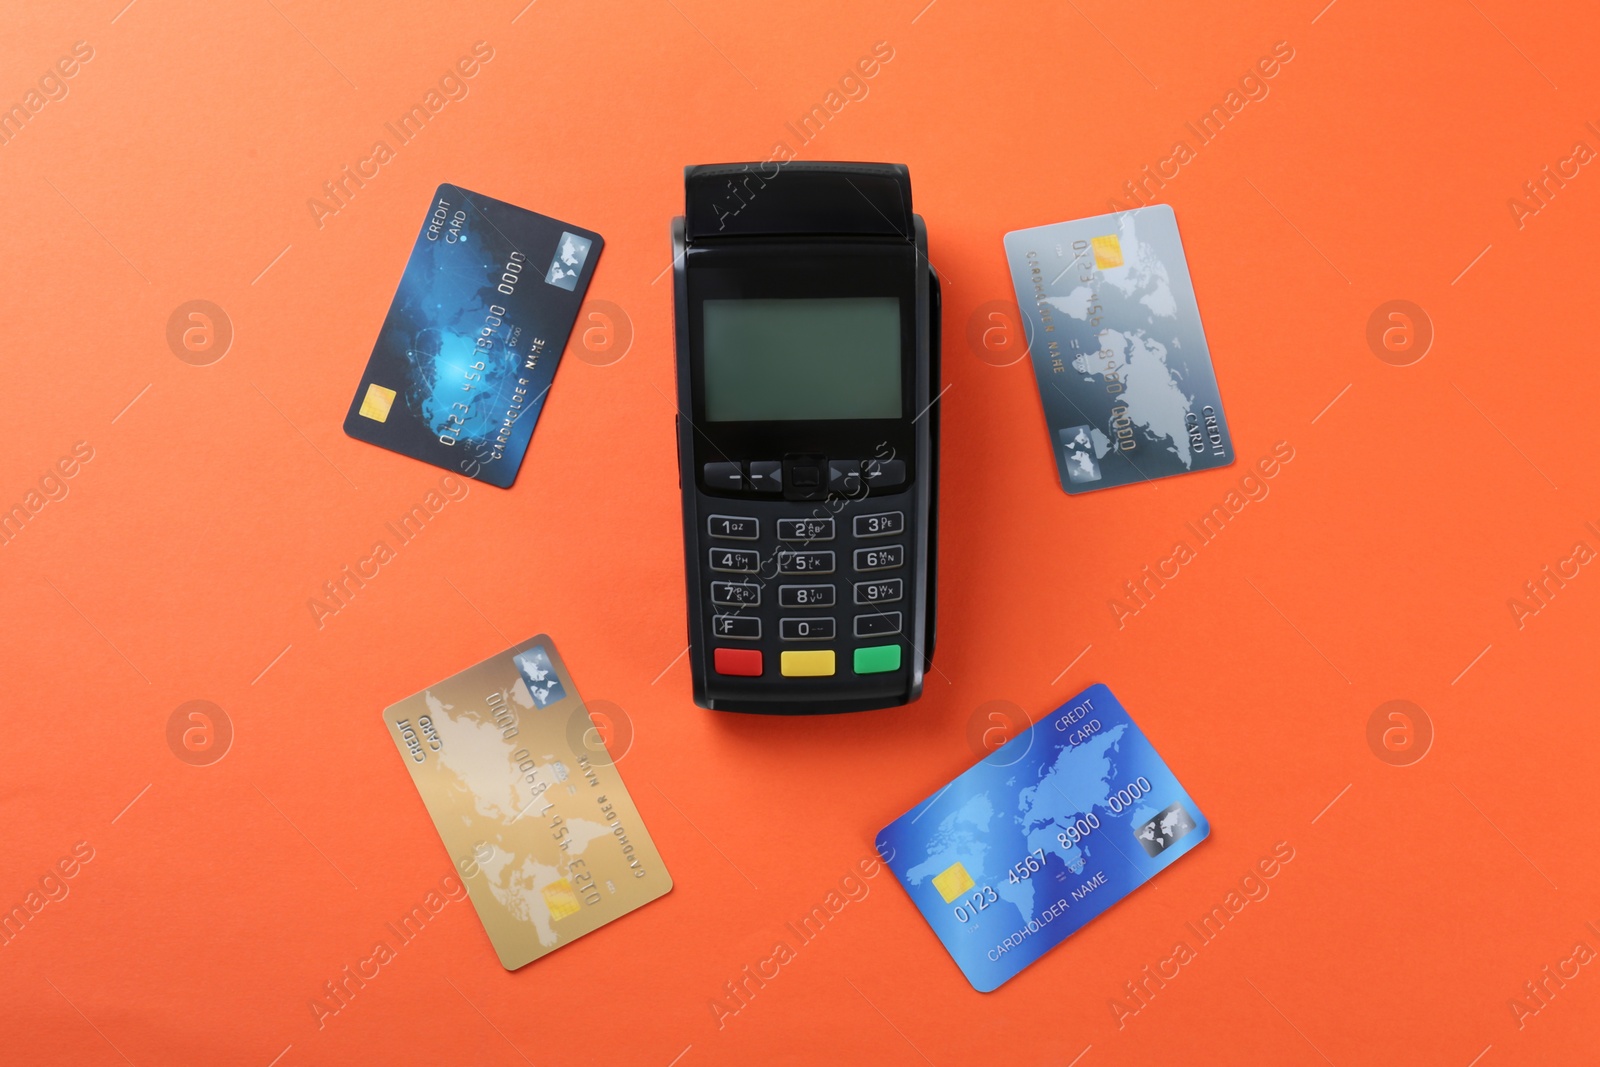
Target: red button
[745,662]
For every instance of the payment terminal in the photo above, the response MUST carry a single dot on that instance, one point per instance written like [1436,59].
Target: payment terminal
[807,319]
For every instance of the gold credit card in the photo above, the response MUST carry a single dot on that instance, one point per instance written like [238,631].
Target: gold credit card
[527,801]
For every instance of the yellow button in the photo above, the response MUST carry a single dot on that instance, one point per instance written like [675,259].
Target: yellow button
[814,664]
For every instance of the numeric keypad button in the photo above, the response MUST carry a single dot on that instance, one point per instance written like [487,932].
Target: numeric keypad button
[739,594]
[881,525]
[881,558]
[805,530]
[806,629]
[791,562]
[735,560]
[805,596]
[734,527]
[886,591]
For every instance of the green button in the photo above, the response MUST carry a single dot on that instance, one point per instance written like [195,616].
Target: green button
[877,659]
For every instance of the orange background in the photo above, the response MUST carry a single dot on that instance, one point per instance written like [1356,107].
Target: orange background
[220,898]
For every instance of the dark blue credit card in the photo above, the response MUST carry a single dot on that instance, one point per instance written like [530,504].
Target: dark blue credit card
[472,340]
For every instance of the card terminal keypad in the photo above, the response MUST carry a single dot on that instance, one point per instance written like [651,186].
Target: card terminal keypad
[802,576]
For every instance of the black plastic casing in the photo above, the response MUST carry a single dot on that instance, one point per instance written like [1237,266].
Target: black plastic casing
[808,229]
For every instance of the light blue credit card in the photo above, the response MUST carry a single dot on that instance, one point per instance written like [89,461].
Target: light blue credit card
[1047,832]
[1121,360]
